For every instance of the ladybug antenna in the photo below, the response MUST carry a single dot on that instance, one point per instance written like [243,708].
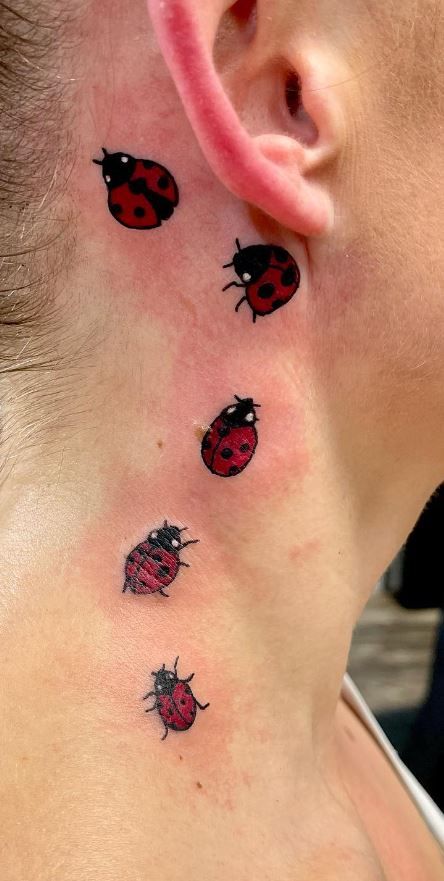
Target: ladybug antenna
[165,524]
[175,664]
[238,245]
[100,161]
[183,529]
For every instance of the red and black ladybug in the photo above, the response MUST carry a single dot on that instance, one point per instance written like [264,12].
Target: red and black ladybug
[230,442]
[154,564]
[141,193]
[268,274]
[175,702]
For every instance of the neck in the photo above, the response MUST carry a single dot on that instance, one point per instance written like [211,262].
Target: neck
[263,615]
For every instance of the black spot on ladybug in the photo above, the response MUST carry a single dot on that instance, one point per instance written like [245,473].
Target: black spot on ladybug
[183,701]
[226,453]
[171,711]
[244,448]
[164,570]
[266,291]
[129,180]
[234,469]
[288,276]
[156,557]
[280,254]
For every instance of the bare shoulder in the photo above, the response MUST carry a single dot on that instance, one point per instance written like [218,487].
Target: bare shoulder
[402,841]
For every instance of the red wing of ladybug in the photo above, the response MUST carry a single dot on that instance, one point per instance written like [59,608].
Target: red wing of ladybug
[211,440]
[148,198]
[159,183]
[184,701]
[132,209]
[234,451]
[170,714]
[275,288]
[149,569]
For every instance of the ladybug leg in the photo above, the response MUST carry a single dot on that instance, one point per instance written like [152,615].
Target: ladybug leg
[236,308]
[254,319]
[154,707]
[225,266]
[233,284]
[163,592]
[165,733]
[202,706]
[192,541]
[184,564]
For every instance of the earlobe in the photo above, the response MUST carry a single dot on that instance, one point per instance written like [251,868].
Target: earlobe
[276,171]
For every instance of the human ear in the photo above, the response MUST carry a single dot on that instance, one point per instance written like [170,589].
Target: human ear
[282,93]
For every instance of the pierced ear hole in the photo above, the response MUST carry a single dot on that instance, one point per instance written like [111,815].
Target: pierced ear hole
[293,93]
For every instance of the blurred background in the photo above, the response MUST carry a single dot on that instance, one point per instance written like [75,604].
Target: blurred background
[397,656]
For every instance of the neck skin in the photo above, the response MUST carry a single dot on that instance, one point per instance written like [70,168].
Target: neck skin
[288,554]
[289,550]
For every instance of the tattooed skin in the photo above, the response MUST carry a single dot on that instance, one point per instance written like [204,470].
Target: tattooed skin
[230,442]
[174,700]
[141,193]
[155,562]
[268,274]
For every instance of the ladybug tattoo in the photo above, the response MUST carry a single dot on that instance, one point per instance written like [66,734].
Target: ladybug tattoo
[174,700]
[155,562]
[230,442]
[268,274]
[141,193]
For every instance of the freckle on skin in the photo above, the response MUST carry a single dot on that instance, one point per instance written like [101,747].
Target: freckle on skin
[199,785]
[180,757]
[200,431]
[160,444]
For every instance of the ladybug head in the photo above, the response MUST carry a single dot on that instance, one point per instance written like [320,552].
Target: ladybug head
[117,168]
[168,538]
[250,263]
[165,680]
[242,413]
